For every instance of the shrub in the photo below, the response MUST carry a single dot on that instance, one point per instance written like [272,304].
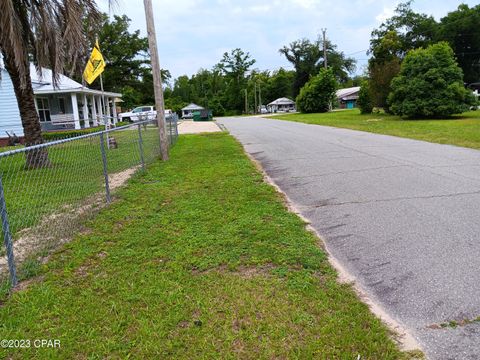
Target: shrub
[430,84]
[318,93]
[123,123]
[58,135]
[216,107]
[365,101]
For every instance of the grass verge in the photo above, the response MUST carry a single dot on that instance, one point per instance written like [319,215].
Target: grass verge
[198,258]
[460,130]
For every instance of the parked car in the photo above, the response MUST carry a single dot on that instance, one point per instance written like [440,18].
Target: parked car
[138,114]
[141,113]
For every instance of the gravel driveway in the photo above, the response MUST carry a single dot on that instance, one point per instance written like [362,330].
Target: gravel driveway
[197,127]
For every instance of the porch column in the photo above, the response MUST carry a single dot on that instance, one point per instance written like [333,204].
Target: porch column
[85,111]
[94,110]
[76,116]
[114,110]
[100,110]
[107,105]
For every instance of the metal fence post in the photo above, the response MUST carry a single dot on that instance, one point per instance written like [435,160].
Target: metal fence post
[105,168]
[140,144]
[7,237]
[170,128]
[176,127]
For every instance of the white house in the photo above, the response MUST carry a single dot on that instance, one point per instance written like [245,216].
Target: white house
[68,105]
[187,111]
[281,104]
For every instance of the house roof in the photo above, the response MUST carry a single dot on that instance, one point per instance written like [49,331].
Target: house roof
[282,101]
[193,106]
[348,92]
[42,83]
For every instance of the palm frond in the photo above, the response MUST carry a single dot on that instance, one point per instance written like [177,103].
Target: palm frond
[12,44]
[51,33]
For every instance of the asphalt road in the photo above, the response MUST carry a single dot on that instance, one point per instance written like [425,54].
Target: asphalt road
[402,216]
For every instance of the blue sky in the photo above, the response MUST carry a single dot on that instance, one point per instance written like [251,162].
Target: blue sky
[193,34]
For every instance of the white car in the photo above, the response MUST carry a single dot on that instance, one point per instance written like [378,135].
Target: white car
[138,114]
[141,113]
[263,110]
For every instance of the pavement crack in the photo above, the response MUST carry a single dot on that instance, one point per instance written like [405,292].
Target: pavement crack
[326,204]
[454,323]
[349,171]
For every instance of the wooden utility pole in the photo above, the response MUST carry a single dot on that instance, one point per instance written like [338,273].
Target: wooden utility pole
[260,95]
[255,91]
[246,102]
[157,79]
[325,62]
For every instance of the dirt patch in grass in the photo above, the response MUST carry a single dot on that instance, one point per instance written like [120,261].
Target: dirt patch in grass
[243,271]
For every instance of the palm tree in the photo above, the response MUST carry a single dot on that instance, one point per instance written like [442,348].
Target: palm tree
[48,33]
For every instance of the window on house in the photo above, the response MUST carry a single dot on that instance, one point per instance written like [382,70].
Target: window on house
[43,108]
[61,105]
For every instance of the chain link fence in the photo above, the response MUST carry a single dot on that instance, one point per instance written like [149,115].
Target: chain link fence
[49,190]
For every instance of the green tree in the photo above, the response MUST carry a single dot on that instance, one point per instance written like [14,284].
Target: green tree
[304,56]
[412,30]
[389,44]
[175,104]
[216,106]
[318,93]
[430,84]
[234,66]
[364,101]
[307,59]
[49,33]
[131,97]
[183,89]
[461,28]
[126,53]
[356,80]
[206,88]
[279,84]
[128,70]
[381,75]
[341,65]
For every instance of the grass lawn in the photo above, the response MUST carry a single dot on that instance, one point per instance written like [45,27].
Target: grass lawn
[76,172]
[197,258]
[461,130]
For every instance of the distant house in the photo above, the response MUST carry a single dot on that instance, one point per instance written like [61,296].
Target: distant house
[68,105]
[187,111]
[281,104]
[347,98]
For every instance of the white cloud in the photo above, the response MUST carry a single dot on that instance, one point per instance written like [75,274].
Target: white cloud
[195,33]
[385,14]
[307,4]
[260,8]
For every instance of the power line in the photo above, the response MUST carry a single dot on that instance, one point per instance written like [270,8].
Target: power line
[357,52]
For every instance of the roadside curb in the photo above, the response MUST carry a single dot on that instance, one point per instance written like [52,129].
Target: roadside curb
[402,336]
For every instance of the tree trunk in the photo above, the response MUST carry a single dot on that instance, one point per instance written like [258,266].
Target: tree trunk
[30,121]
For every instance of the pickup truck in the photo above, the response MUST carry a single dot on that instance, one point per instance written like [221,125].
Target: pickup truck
[140,113]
